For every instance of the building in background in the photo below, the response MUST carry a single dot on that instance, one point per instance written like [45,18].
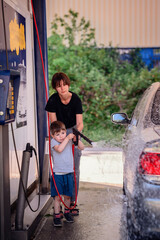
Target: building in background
[120,23]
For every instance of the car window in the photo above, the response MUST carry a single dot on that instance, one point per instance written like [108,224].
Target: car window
[139,108]
[155,112]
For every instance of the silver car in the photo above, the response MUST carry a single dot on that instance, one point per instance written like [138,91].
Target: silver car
[141,158]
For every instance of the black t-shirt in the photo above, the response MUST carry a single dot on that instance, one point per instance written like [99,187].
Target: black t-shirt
[65,113]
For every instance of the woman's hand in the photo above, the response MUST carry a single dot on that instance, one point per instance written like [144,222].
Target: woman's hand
[70,136]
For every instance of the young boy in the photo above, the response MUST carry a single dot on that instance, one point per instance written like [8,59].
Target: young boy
[61,146]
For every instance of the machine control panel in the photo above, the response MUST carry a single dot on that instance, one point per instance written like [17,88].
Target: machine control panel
[9,89]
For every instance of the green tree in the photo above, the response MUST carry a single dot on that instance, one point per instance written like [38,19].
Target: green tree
[71,29]
[104,82]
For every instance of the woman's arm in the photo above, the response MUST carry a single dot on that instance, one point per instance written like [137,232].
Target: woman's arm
[79,122]
[52,116]
[80,145]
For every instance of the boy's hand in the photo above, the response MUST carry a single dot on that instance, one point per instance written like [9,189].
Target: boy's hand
[70,136]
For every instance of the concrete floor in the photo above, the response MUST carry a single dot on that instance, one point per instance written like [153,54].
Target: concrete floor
[99,201]
[100,216]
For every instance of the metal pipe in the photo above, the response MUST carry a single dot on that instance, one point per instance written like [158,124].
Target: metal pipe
[45,172]
[5,215]
[22,188]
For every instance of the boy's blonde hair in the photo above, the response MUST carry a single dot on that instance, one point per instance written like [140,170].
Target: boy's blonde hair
[57,126]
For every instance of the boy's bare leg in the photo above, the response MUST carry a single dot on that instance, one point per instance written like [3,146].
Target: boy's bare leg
[57,202]
[67,200]
[57,217]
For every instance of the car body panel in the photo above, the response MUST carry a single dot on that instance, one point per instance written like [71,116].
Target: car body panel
[143,193]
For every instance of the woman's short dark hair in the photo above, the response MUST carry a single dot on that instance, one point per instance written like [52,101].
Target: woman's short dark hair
[57,126]
[57,77]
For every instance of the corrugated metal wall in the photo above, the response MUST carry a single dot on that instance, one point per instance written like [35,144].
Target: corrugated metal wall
[124,23]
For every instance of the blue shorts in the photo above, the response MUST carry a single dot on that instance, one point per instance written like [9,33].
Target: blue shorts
[64,185]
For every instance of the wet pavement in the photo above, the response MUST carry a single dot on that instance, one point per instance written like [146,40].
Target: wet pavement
[100,201]
[100,216]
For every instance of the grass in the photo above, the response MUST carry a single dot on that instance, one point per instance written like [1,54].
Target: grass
[109,137]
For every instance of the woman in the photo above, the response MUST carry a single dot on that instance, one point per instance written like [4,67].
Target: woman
[66,106]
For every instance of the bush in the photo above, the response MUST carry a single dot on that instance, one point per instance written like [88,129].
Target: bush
[104,83]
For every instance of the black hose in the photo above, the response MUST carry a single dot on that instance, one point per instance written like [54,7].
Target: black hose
[31,148]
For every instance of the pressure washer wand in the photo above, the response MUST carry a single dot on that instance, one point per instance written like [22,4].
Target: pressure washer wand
[77,133]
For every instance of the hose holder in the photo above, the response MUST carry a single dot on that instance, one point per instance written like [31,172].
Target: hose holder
[27,154]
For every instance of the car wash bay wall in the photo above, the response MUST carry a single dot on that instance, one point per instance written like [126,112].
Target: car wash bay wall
[17,53]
